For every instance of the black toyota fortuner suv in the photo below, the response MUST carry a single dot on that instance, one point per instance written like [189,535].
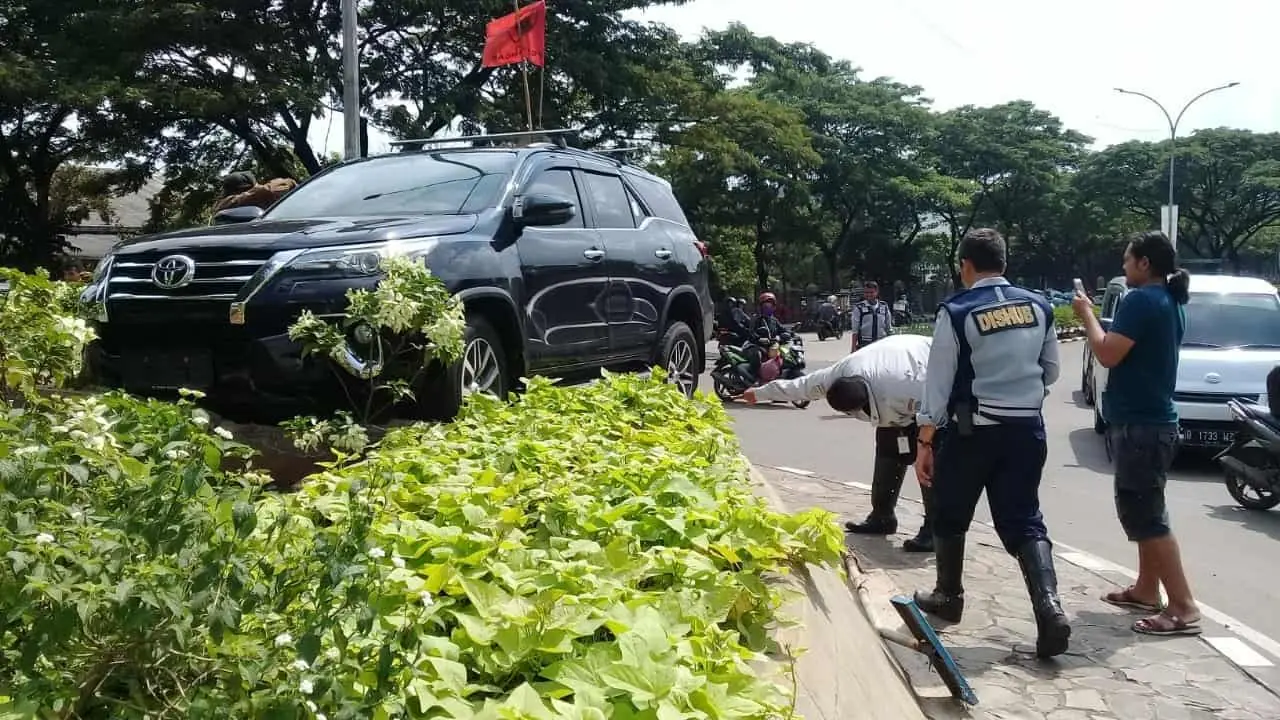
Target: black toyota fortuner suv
[567,261]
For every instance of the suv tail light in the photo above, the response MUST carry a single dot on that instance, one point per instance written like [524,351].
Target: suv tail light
[702,247]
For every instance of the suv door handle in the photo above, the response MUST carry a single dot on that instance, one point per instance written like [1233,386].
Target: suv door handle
[593,254]
[662,253]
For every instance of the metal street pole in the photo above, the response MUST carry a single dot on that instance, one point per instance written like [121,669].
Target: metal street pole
[350,81]
[1173,142]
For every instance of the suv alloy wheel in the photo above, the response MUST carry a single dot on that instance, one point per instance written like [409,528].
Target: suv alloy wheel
[678,355]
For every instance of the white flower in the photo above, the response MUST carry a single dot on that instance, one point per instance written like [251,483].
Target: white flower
[222,432]
[284,639]
[301,664]
[306,687]
[427,600]
[44,539]
[77,515]
[311,706]
[377,553]
[321,716]
[397,561]
[332,653]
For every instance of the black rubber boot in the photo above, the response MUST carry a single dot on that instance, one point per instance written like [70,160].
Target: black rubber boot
[947,599]
[1053,632]
[923,541]
[886,482]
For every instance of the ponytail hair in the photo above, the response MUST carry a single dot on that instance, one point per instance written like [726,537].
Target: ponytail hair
[1179,285]
[1156,248]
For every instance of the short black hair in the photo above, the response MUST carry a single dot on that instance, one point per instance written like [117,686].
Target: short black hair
[985,248]
[849,395]
[871,285]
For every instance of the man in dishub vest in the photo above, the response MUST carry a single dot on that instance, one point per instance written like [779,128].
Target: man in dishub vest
[994,354]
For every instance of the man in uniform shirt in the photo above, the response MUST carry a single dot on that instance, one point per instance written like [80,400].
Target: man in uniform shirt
[872,318]
[881,384]
[994,354]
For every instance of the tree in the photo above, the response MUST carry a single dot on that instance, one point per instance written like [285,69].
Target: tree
[1227,186]
[743,167]
[1009,155]
[64,101]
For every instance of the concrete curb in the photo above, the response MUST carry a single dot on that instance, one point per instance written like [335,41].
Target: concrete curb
[843,671]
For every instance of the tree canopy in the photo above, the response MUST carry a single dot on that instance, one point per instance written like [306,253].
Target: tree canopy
[794,167]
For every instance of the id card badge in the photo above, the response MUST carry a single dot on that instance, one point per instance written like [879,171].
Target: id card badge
[904,445]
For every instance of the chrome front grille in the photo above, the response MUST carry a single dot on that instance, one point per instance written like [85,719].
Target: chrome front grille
[216,277]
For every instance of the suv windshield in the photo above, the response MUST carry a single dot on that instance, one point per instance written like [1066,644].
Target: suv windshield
[1233,320]
[438,183]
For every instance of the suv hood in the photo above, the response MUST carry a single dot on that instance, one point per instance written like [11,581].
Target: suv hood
[1237,371]
[277,235]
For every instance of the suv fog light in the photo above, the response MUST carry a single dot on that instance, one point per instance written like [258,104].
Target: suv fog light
[362,334]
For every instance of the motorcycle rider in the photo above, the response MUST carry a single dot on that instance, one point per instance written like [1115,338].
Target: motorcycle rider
[881,384]
[767,319]
[827,314]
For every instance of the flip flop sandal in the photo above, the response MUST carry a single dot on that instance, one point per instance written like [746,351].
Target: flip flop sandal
[1124,599]
[1166,625]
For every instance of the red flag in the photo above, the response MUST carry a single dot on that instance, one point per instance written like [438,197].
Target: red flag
[517,36]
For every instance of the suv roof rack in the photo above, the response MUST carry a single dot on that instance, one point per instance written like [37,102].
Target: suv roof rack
[556,137]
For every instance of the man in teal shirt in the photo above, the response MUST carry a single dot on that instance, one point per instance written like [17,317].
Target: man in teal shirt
[1141,350]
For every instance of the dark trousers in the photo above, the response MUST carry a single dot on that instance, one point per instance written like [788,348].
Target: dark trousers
[1005,460]
[895,452]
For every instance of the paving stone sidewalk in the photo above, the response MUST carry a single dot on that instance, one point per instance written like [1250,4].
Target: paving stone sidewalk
[1110,673]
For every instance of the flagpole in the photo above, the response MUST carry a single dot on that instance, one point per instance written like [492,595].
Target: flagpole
[524,68]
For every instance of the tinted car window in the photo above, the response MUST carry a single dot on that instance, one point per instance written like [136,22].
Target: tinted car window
[559,182]
[658,198]
[1232,320]
[441,183]
[609,200]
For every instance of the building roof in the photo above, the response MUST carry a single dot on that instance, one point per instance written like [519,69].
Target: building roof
[92,238]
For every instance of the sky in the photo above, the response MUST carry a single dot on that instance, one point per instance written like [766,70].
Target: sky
[1067,58]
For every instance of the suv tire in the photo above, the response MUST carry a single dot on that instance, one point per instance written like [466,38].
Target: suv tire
[483,364]
[678,355]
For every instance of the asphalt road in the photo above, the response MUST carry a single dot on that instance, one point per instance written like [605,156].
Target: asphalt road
[1231,554]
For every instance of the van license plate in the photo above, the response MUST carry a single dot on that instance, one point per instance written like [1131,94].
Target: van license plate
[1207,437]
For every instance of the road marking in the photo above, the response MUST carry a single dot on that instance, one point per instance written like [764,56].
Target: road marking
[795,471]
[1091,562]
[1238,652]
[1096,564]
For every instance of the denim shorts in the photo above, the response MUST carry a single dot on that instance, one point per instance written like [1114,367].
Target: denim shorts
[1143,454]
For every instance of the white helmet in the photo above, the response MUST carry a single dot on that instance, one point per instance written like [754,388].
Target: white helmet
[831,299]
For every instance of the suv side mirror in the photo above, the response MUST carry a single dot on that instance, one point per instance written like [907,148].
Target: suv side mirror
[538,209]
[234,215]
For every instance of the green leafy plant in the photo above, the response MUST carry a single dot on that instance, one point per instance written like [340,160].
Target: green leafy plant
[42,333]
[588,552]
[388,337]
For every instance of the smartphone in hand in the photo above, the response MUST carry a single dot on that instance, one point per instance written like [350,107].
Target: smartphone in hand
[1079,286]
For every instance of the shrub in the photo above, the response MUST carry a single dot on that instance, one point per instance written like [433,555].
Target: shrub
[42,333]
[584,552]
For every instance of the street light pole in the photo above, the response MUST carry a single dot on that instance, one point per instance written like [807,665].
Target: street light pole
[350,81]
[1173,142]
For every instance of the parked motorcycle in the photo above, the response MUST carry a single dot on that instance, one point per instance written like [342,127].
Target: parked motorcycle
[1252,462]
[827,329]
[731,375]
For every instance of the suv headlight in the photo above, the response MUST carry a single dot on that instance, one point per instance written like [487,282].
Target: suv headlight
[355,261]
[100,270]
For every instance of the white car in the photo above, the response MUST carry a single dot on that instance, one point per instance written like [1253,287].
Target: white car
[1232,341]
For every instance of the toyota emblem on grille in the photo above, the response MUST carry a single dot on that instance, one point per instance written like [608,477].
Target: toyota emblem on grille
[1213,378]
[173,272]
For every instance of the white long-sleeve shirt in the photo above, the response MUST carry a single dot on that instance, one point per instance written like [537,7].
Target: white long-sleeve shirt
[893,369]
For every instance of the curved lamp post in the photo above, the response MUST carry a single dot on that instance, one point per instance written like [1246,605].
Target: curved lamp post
[1173,140]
